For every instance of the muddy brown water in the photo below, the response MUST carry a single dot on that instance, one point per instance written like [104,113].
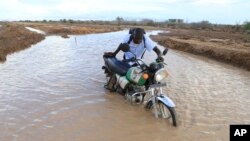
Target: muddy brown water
[54,91]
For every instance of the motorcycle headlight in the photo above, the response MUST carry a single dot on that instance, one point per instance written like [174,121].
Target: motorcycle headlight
[160,75]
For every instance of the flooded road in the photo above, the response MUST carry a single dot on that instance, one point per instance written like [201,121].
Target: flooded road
[54,91]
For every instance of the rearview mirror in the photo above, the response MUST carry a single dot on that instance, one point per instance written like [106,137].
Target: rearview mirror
[165,51]
[124,47]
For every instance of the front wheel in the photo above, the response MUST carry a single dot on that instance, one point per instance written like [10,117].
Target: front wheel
[163,111]
[167,112]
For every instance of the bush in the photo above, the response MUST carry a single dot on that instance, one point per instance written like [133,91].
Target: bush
[201,25]
[247,25]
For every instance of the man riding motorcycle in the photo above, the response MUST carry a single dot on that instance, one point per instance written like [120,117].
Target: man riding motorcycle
[138,44]
[138,82]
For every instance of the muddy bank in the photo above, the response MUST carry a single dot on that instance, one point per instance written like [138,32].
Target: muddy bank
[232,48]
[14,38]
[71,29]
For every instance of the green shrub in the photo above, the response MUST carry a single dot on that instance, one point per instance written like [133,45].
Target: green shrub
[247,25]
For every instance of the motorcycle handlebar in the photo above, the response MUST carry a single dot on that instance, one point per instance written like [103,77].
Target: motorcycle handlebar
[137,60]
[160,61]
[129,60]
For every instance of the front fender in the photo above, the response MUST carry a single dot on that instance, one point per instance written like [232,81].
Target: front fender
[166,100]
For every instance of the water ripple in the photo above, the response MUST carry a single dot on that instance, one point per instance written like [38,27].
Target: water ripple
[54,91]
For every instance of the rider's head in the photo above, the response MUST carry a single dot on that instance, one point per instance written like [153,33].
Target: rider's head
[138,35]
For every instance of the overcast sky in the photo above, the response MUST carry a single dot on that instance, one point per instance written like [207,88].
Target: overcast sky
[215,11]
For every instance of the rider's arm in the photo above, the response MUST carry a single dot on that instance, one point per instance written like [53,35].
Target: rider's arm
[123,46]
[158,52]
[113,54]
[116,51]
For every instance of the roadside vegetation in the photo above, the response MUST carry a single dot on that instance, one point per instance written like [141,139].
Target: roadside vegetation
[14,38]
[229,47]
[170,23]
[64,29]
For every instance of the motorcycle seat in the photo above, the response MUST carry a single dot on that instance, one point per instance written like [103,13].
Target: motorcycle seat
[116,65]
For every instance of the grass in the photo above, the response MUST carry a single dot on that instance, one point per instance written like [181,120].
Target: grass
[232,48]
[15,38]
[72,29]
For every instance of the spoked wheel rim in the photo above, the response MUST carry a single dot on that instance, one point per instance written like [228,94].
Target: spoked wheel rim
[165,113]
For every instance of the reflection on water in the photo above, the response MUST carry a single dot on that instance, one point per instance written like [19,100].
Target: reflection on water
[54,91]
[36,30]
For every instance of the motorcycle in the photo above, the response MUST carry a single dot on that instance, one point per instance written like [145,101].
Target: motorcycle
[140,84]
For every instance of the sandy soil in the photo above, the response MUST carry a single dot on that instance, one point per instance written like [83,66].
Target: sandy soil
[233,48]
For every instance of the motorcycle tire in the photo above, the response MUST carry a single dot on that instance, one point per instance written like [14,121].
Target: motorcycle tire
[166,112]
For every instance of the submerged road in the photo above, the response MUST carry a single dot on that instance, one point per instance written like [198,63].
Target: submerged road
[54,91]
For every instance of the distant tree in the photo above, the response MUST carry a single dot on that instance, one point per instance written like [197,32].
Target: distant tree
[202,25]
[205,24]
[63,20]
[148,22]
[44,21]
[71,21]
[119,20]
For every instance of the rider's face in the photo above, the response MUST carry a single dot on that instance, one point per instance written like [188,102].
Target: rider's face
[137,40]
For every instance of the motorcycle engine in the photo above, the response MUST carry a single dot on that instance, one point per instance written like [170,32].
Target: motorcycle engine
[137,98]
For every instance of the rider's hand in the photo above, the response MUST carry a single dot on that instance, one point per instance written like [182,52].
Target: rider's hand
[109,54]
[129,60]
